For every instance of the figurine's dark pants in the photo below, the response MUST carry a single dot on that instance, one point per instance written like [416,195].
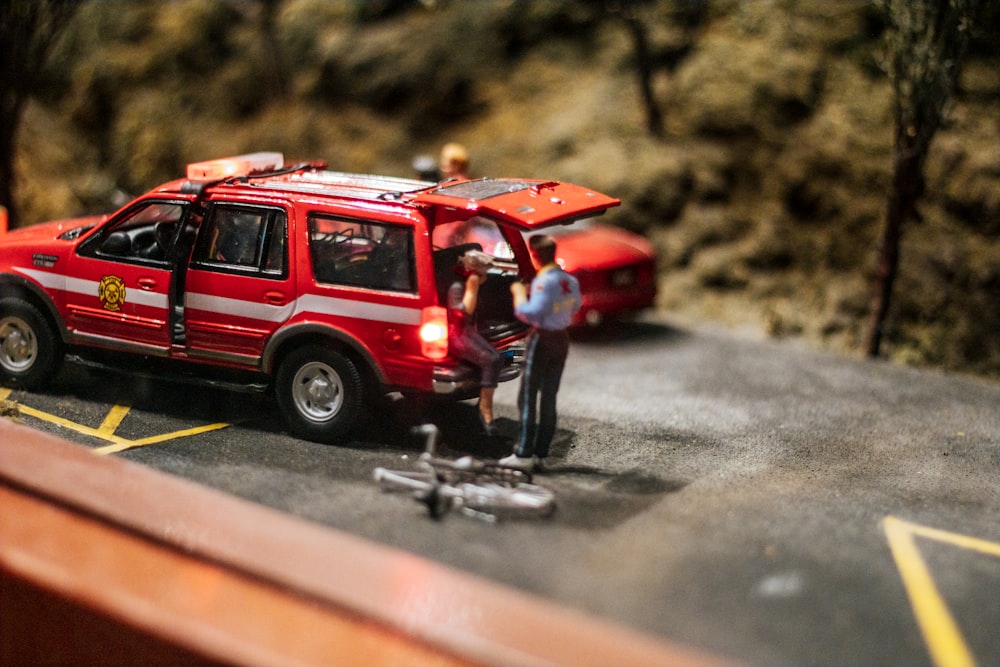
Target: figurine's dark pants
[543,368]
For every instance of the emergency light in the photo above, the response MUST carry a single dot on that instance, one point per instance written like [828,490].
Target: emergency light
[239,165]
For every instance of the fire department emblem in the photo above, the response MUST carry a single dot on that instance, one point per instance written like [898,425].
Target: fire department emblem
[111,292]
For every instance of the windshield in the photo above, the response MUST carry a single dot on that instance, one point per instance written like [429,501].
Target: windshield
[478,229]
[487,234]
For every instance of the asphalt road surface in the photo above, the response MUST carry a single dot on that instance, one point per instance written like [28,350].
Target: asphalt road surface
[751,498]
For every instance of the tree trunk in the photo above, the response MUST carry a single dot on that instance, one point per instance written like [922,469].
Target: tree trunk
[926,43]
[907,180]
[9,121]
[644,66]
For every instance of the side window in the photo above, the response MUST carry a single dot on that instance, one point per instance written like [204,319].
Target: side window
[360,253]
[145,234]
[243,239]
[277,246]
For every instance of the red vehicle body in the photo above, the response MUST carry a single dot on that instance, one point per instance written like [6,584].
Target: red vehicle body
[323,285]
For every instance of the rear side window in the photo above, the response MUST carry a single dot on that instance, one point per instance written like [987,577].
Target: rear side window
[244,239]
[361,253]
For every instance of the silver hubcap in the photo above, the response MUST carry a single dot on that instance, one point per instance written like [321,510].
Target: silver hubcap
[18,345]
[318,391]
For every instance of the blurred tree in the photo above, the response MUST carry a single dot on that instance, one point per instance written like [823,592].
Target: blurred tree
[28,29]
[925,43]
[628,12]
[649,57]
[268,28]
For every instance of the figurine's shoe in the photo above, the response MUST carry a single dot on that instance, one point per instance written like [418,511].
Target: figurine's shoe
[541,464]
[525,463]
[489,428]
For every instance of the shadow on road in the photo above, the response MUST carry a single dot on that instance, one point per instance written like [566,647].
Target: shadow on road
[628,332]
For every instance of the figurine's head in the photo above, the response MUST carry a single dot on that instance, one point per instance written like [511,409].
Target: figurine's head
[474,261]
[454,161]
[543,249]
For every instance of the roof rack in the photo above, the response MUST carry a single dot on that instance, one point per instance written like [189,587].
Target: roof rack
[358,186]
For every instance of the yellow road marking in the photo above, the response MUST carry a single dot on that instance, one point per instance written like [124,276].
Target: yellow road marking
[106,431]
[121,444]
[944,640]
[113,420]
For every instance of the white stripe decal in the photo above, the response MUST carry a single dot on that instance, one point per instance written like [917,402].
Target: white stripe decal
[311,303]
[57,281]
[237,307]
[45,278]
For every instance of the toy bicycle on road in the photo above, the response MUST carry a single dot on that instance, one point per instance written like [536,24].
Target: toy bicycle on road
[485,490]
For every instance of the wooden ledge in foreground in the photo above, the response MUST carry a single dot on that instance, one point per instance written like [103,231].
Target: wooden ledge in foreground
[104,561]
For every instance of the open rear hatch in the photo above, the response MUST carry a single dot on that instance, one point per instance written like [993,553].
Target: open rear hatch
[524,203]
[530,204]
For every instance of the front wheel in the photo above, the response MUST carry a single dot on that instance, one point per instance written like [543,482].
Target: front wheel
[30,351]
[319,392]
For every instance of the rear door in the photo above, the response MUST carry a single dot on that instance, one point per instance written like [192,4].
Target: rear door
[238,289]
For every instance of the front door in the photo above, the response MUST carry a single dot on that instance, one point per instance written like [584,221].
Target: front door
[118,295]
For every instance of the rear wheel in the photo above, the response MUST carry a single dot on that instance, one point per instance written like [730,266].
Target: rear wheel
[30,350]
[319,392]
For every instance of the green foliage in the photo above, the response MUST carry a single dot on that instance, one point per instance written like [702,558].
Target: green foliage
[925,44]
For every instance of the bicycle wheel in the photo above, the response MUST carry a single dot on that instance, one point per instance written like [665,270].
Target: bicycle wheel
[504,500]
[424,487]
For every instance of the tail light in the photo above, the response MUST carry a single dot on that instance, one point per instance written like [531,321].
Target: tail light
[434,332]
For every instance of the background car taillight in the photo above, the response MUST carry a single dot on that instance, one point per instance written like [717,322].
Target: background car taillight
[434,332]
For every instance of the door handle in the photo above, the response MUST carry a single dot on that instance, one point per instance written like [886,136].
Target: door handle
[147,283]
[276,298]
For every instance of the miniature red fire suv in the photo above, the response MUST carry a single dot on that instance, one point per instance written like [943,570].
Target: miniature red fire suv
[328,287]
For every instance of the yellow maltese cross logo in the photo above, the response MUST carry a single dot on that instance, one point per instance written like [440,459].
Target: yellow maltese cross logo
[111,292]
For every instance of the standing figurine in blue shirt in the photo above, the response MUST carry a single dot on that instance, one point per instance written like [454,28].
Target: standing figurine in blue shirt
[549,309]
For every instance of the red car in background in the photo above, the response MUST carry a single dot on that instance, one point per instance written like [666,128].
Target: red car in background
[616,268]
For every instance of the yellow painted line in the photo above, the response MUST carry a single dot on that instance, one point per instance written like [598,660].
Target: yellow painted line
[111,422]
[944,640]
[962,541]
[121,444]
[65,423]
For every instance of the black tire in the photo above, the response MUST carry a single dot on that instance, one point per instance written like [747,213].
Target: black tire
[31,352]
[319,393]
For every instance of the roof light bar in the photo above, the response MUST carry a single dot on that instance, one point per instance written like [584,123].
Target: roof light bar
[238,165]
